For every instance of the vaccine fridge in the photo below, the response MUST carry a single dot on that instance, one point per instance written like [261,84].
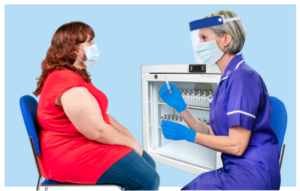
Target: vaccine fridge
[197,82]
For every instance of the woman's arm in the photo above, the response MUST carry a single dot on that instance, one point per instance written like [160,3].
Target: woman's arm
[235,143]
[120,127]
[83,111]
[195,124]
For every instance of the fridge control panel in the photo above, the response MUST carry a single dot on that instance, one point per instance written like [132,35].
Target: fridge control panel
[197,68]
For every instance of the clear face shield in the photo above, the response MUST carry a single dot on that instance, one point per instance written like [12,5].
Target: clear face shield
[195,26]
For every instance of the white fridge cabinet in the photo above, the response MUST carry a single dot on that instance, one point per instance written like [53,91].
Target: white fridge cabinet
[183,155]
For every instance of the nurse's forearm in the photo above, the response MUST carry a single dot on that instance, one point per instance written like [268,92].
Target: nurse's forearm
[218,143]
[117,125]
[194,123]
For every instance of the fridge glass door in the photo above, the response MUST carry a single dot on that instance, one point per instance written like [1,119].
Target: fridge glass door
[196,91]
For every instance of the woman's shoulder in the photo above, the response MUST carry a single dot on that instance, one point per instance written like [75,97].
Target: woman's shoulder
[63,78]
[64,75]
[244,73]
[245,78]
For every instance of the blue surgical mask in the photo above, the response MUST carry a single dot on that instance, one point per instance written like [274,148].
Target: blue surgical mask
[92,53]
[209,52]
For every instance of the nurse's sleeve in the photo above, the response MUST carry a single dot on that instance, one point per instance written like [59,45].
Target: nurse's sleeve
[243,93]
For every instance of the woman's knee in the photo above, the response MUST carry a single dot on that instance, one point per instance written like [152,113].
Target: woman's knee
[149,159]
[153,180]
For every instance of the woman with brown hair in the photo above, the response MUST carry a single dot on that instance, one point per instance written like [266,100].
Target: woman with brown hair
[239,112]
[80,142]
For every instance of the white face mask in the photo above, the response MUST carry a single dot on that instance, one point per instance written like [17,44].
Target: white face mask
[92,53]
[209,52]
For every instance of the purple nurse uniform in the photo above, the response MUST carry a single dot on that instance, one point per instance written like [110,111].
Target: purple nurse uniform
[242,99]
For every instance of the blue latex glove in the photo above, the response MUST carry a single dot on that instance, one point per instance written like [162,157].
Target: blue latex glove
[176,131]
[174,99]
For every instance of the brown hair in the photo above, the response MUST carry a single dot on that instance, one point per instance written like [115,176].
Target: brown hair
[61,53]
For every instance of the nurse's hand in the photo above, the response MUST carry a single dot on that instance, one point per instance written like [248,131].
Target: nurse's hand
[176,131]
[174,99]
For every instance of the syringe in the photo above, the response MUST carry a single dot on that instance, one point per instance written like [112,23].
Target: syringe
[167,82]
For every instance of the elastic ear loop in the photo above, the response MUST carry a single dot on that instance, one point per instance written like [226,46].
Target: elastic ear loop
[78,57]
[79,47]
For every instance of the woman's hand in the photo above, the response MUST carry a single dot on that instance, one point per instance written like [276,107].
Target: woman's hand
[174,99]
[126,132]
[138,148]
[176,131]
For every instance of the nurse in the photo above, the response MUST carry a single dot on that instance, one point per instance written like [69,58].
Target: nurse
[240,112]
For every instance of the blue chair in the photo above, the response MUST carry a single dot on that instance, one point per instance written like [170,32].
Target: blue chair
[29,111]
[278,123]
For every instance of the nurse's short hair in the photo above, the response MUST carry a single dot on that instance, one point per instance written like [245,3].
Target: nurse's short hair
[235,28]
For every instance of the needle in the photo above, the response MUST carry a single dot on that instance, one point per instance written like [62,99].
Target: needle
[167,82]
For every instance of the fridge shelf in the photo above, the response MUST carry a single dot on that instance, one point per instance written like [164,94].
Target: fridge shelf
[160,127]
[189,106]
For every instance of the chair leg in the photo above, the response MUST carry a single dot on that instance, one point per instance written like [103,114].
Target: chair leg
[39,183]
[281,155]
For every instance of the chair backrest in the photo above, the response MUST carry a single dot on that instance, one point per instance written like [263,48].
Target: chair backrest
[278,119]
[29,110]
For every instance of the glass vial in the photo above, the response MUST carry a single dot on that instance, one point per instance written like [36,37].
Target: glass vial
[160,121]
[190,100]
[184,95]
[200,98]
[195,99]
[206,99]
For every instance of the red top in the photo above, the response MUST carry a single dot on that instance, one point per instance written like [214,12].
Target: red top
[67,155]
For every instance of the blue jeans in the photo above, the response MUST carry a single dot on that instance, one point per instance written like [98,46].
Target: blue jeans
[133,172]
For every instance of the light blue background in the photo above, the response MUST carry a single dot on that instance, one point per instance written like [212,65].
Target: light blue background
[129,36]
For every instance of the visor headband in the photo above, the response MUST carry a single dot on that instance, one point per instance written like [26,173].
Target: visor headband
[210,21]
